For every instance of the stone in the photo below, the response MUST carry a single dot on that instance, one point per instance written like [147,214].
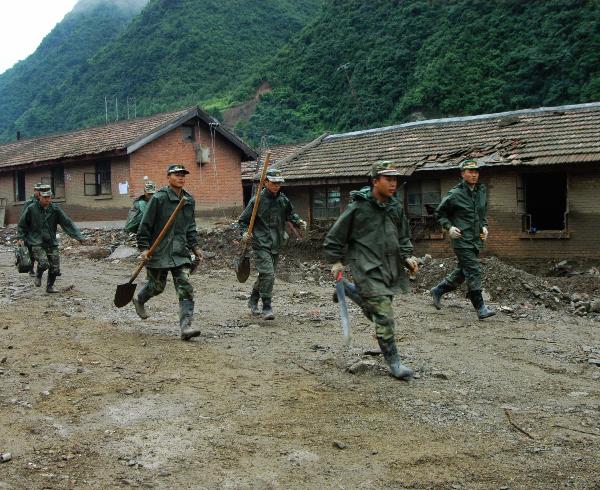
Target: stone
[556,289]
[595,306]
[340,444]
[123,252]
[362,366]
[594,361]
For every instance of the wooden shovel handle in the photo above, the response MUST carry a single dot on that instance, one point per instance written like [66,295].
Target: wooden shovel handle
[160,236]
[260,186]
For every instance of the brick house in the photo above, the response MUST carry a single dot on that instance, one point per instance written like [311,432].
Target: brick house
[95,172]
[542,170]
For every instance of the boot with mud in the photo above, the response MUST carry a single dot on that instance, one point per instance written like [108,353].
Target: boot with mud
[50,284]
[438,291]
[392,358]
[253,302]
[38,278]
[186,314]
[267,309]
[32,270]
[483,311]
[140,309]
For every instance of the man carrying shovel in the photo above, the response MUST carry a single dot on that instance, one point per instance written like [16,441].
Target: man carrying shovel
[372,235]
[274,210]
[172,253]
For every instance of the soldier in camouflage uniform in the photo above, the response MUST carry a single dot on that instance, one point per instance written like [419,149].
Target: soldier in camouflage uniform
[37,226]
[268,237]
[136,213]
[37,188]
[372,235]
[173,252]
[463,214]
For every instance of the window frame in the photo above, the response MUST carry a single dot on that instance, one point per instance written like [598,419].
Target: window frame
[329,211]
[19,188]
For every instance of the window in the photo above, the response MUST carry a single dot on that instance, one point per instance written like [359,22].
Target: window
[326,203]
[58,182]
[98,183]
[422,197]
[542,200]
[188,133]
[20,185]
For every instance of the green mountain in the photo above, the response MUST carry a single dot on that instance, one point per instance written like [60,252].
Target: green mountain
[174,53]
[38,81]
[363,64]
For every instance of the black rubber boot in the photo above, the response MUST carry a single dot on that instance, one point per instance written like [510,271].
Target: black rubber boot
[139,303]
[267,310]
[253,302]
[38,277]
[392,358]
[483,311]
[50,283]
[32,270]
[438,291]
[186,314]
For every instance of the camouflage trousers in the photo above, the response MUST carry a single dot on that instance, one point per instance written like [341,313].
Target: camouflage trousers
[469,269]
[156,281]
[379,309]
[266,264]
[47,259]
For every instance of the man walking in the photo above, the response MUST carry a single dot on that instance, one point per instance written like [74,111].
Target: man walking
[372,235]
[463,214]
[173,252]
[136,213]
[37,188]
[37,227]
[268,237]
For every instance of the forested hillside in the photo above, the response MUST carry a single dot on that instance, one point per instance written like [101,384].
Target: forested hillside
[174,53]
[364,64]
[38,81]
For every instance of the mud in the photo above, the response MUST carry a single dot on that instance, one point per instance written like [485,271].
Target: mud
[93,397]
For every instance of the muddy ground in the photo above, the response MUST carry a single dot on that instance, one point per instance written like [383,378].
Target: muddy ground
[93,397]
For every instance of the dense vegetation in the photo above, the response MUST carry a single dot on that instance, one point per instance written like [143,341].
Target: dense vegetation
[364,64]
[174,53]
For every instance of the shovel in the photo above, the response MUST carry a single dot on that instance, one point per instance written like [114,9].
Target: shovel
[242,264]
[124,292]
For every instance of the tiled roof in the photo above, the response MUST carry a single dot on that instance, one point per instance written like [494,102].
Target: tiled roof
[278,153]
[125,136]
[529,137]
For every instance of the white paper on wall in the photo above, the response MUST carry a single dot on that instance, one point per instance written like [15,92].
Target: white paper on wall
[123,187]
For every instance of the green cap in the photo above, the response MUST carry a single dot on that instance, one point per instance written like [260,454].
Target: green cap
[149,187]
[384,167]
[176,167]
[274,175]
[469,165]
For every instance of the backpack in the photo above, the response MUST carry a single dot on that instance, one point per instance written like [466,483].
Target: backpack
[23,260]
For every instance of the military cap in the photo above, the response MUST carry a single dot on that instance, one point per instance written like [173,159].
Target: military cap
[274,175]
[469,165]
[384,167]
[176,167]
[43,187]
[149,187]
[37,186]
[46,192]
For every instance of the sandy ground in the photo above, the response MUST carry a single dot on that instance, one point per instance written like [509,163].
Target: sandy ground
[93,397]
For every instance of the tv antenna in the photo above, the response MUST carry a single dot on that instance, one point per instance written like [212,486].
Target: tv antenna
[106,102]
[133,106]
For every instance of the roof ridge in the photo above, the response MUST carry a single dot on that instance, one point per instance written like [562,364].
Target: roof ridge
[478,117]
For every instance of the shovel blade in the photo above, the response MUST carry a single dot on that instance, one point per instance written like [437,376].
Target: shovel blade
[124,294]
[242,268]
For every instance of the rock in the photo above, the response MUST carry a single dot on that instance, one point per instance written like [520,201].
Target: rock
[507,309]
[595,306]
[362,366]
[486,296]
[3,360]
[123,252]
[242,296]
[5,457]
[340,444]
[209,255]
[594,361]
[440,375]
[556,289]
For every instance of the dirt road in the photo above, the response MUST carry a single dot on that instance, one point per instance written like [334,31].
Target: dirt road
[93,397]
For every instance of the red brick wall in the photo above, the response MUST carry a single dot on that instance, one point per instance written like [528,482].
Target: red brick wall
[216,185]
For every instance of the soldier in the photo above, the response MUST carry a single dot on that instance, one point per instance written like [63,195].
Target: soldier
[463,214]
[139,206]
[173,252]
[37,188]
[268,236]
[372,235]
[37,226]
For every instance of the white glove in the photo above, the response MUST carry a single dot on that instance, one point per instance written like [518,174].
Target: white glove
[246,237]
[484,233]
[412,264]
[302,224]
[454,232]
[336,269]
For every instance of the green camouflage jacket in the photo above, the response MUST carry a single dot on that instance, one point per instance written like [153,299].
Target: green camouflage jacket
[37,226]
[182,237]
[466,209]
[269,225]
[134,217]
[374,239]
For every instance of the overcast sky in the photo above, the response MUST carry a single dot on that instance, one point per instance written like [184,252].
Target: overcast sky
[23,25]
